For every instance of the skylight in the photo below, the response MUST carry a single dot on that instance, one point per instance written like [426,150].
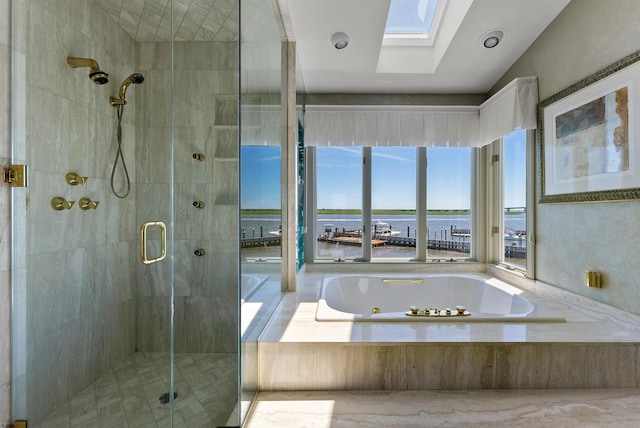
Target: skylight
[411,17]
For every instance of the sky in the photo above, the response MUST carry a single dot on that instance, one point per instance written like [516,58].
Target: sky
[260,177]
[393,176]
[515,174]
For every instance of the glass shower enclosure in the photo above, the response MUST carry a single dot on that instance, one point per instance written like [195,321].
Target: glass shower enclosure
[125,258]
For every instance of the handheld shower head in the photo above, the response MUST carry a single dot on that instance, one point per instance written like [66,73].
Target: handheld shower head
[133,79]
[96,75]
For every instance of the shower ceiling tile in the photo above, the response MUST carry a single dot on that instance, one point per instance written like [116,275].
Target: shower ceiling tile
[201,20]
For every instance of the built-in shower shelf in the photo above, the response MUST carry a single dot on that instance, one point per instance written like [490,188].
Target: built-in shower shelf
[235,127]
[226,127]
[225,159]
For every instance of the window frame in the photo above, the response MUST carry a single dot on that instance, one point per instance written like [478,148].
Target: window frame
[495,208]
[421,254]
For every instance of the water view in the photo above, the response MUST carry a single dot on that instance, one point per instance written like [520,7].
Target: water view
[440,227]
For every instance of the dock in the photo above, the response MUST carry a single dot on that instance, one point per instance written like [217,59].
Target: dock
[462,245]
[351,240]
[268,241]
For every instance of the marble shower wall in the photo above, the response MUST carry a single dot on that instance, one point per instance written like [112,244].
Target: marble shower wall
[205,117]
[75,306]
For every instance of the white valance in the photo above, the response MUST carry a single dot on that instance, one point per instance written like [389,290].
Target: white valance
[511,108]
[410,126]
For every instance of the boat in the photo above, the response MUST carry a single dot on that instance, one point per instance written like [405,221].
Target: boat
[384,229]
[276,232]
[515,235]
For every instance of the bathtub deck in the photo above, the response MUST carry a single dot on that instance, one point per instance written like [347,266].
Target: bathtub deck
[597,347]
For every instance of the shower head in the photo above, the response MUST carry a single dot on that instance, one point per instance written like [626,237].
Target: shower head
[133,79]
[98,76]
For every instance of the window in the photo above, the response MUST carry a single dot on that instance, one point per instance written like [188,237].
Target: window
[379,189]
[339,202]
[514,190]
[261,219]
[448,202]
[393,201]
[411,16]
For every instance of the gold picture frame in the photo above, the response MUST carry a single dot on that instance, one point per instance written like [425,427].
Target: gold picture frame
[588,138]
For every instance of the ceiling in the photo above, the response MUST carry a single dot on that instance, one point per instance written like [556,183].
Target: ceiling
[456,63]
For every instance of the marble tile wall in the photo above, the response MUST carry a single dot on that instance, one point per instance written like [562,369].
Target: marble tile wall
[5,216]
[206,82]
[75,306]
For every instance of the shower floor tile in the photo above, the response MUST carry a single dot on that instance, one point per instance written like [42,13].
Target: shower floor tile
[128,396]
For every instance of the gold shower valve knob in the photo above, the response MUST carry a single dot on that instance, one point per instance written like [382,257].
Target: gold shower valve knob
[73,179]
[59,203]
[87,204]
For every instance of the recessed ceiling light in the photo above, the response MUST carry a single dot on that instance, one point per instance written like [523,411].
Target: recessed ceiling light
[491,38]
[340,40]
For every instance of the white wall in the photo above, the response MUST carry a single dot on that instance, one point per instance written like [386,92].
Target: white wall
[571,238]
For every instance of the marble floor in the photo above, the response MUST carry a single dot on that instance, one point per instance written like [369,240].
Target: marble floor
[128,396]
[480,408]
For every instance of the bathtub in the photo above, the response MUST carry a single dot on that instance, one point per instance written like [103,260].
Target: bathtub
[470,298]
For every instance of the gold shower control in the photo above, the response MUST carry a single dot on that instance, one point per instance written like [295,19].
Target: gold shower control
[59,203]
[73,179]
[198,204]
[16,175]
[199,156]
[592,279]
[200,252]
[87,204]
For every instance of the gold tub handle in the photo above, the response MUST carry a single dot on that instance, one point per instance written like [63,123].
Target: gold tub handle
[412,280]
[143,242]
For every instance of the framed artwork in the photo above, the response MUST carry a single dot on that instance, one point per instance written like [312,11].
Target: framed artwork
[589,138]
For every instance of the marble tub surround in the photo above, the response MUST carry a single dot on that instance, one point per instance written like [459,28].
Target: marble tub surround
[596,347]
[514,408]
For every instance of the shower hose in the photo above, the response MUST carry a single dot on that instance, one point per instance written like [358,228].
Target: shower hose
[120,156]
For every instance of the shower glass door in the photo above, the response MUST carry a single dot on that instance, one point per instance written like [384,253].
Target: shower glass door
[114,109]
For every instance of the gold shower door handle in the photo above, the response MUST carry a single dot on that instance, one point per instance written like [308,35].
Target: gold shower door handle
[143,241]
